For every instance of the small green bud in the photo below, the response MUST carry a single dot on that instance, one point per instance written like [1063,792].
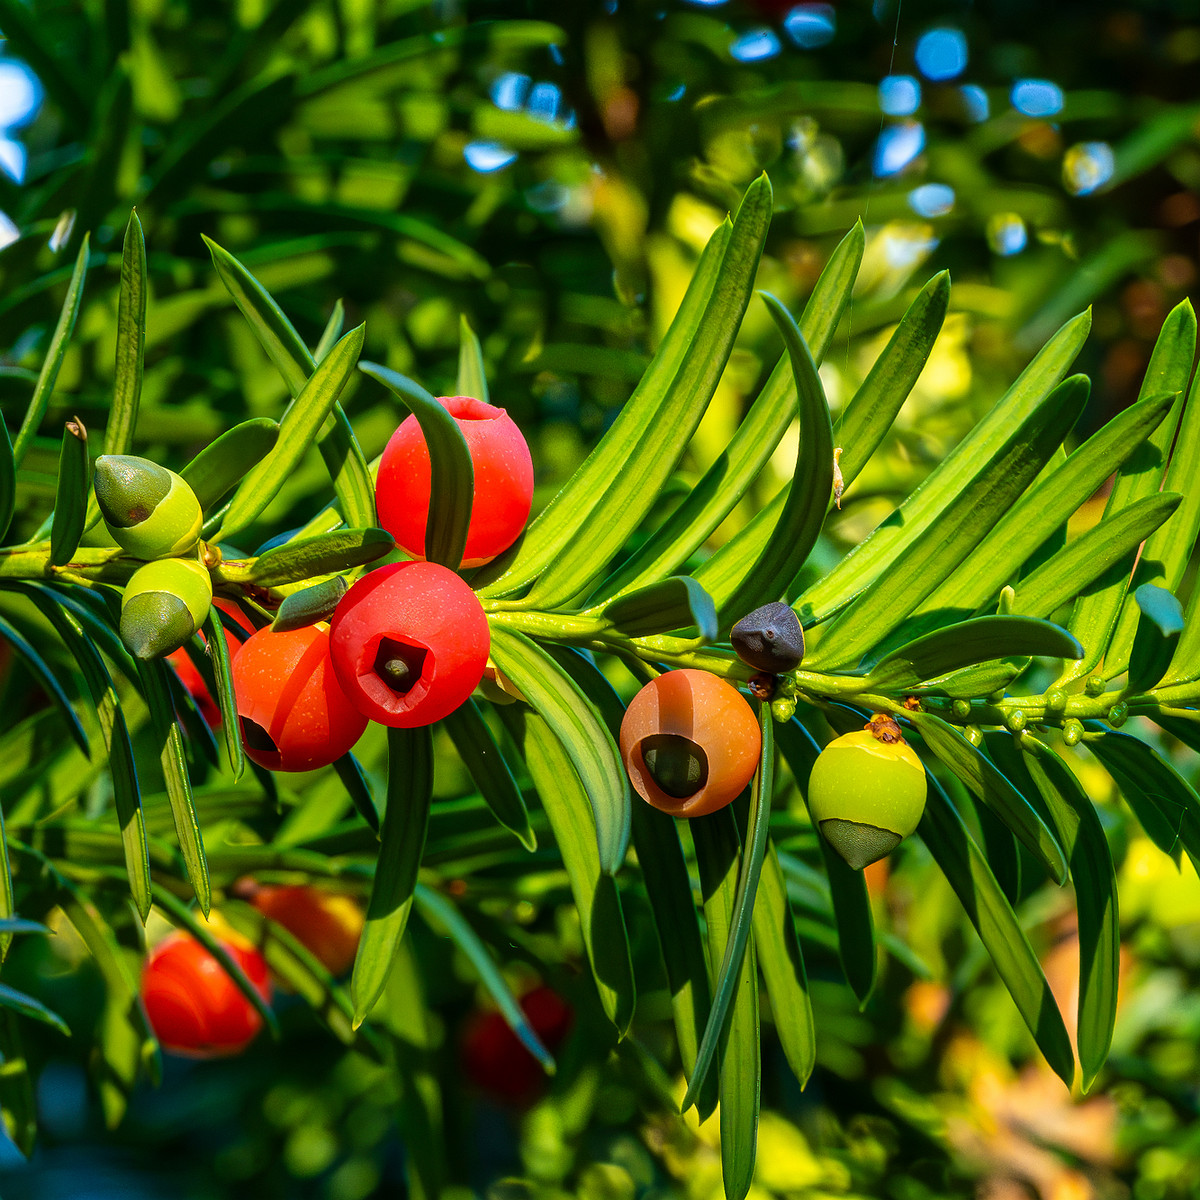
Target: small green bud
[1095,685]
[783,708]
[1118,714]
[150,511]
[973,734]
[164,603]
[1072,731]
[1014,721]
[961,709]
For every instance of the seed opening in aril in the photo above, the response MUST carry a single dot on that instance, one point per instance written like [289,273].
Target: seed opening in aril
[676,764]
[257,738]
[399,665]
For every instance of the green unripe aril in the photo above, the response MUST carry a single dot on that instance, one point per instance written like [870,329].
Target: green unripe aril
[867,792]
[769,638]
[163,605]
[150,511]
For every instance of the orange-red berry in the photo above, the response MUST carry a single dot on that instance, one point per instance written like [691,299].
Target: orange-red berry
[328,924]
[495,1060]
[410,642]
[193,1005]
[294,714]
[503,481]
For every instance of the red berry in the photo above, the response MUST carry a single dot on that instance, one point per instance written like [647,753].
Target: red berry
[194,1007]
[193,680]
[295,716]
[690,743]
[409,643]
[494,1058]
[503,481]
[328,924]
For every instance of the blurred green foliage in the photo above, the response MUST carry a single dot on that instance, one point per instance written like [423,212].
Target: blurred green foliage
[551,171]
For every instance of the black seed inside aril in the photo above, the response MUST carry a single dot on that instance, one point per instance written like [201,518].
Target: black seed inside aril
[399,665]
[255,737]
[676,764]
[769,638]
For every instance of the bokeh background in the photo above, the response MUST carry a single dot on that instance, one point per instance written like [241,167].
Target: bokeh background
[551,171]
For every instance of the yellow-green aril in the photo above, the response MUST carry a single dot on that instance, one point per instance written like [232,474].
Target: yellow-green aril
[151,512]
[867,792]
[164,603]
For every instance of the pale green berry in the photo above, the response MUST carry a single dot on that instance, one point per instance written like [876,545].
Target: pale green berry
[150,511]
[866,795]
[164,603]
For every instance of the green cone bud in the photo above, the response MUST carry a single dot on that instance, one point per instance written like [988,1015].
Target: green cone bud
[164,604]
[150,511]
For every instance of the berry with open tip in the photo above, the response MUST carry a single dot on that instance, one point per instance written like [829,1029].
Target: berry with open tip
[294,714]
[690,743]
[409,642]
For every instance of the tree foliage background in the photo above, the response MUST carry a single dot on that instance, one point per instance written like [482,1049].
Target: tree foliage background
[552,172]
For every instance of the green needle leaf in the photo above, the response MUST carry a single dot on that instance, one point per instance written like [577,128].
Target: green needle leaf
[307,558]
[156,685]
[984,780]
[869,415]
[677,602]
[226,696]
[738,1060]
[439,911]
[131,341]
[402,842]
[1096,561]
[1023,531]
[931,555]
[968,643]
[297,431]
[1159,625]
[741,913]
[71,496]
[1165,804]
[803,511]
[54,357]
[331,333]
[961,861]
[286,349]
[228,459]
[1082,835]
[584,737]
[49,682]
[729,477]
[472,380]
[126,792]
[928,505]
[664,417]
[597,900]
[484,760]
